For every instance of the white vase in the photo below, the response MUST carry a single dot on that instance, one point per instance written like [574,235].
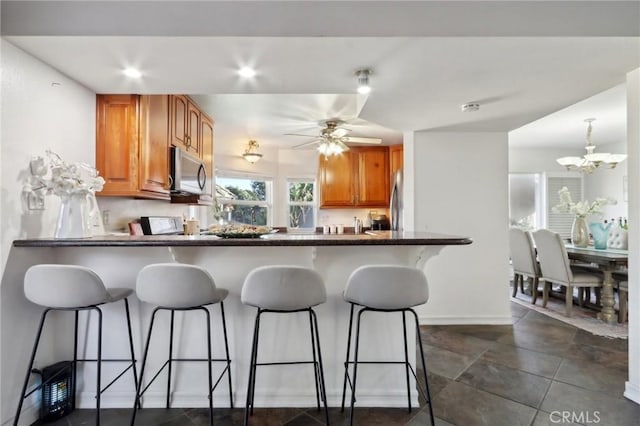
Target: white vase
[580,232]
[73,216]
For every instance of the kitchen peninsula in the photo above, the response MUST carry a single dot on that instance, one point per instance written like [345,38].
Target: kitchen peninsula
[117,259]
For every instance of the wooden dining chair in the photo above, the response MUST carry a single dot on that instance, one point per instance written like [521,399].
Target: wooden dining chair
[523,261]
[556,268]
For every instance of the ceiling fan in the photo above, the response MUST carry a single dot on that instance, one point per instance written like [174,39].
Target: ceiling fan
[333,139]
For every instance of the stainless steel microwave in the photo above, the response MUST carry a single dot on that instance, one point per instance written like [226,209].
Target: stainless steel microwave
[188,173]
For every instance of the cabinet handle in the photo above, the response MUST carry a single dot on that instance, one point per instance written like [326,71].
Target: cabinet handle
[170,180]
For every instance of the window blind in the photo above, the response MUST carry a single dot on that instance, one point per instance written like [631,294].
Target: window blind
[561,222]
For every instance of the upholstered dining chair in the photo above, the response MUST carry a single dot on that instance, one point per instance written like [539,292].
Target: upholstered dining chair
[555,267]
[523,260]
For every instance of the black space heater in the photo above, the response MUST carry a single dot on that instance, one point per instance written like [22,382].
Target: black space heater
[57,390]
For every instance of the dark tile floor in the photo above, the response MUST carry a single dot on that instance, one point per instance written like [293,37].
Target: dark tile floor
[531,373]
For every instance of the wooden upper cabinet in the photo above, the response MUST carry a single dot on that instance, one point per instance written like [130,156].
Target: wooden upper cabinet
[185,124]
[206,138]
[132,150]
[396,153]
[179,113]
[337,180]
[154,144]
[117,143]
[193,130]
[356,178]
[372,189]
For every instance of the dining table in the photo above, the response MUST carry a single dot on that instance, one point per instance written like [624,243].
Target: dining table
[608,261]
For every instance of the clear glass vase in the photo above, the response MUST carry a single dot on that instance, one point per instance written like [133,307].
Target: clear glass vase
[580,232]
[73,215]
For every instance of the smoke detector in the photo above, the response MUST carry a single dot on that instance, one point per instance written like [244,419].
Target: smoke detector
[470,107]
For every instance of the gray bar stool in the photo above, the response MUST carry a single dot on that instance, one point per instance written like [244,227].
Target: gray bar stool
[73,288]
[178,287]
[385,288]
[285,289]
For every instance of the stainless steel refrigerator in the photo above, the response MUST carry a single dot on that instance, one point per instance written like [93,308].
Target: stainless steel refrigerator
[396,204]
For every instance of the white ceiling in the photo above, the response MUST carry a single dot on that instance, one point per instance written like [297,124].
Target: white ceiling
[418,83]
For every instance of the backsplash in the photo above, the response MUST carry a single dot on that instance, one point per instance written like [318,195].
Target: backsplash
[345,216]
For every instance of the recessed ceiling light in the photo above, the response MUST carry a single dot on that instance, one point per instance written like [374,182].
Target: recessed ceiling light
[132,72]
[247,72]
[363,81]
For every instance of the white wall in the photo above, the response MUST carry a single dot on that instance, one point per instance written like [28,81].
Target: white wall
[36,115]
[461,189]
[537,160]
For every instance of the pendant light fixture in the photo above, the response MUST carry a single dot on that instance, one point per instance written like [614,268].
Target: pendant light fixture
[591,160]
[251,154]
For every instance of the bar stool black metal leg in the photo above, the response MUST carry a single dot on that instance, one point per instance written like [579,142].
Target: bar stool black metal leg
[144,362]
[75,361]
[315,362]
[33,357]
[322,383]
[170,355]
[406,357]
[346,361]
[424,367]
[99,366]
[251,372]
[355,366]
[208,317]
[131,348]
[226,348]
[255,362]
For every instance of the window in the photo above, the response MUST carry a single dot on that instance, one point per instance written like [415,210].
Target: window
[301,200]
[245,200]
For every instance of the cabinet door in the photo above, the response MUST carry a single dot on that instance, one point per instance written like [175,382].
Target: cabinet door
[336,176]
[396,153]
[179,114]
[206,137]
[372,185]
[117,143]
[193,130]
[154,145]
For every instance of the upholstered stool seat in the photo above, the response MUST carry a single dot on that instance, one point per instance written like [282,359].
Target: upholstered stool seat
[385,288]
[179,287]
[74,288]
[285,289]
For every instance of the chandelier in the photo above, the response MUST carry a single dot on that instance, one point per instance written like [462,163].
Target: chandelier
[591,160]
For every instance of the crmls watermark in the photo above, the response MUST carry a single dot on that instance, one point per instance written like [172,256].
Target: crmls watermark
[582,417]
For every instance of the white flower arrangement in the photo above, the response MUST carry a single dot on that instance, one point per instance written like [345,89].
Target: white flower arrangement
[581,208]
[64,178]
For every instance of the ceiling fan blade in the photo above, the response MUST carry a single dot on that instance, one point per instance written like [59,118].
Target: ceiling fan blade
[353,139]
[298,134]
[343,146]
[338,133]
[302,145]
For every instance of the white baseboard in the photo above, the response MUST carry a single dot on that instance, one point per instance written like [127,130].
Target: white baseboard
[632,392]
[460,320]
[262,399]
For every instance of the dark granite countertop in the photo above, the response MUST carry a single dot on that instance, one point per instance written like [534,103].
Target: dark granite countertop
[374,238]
